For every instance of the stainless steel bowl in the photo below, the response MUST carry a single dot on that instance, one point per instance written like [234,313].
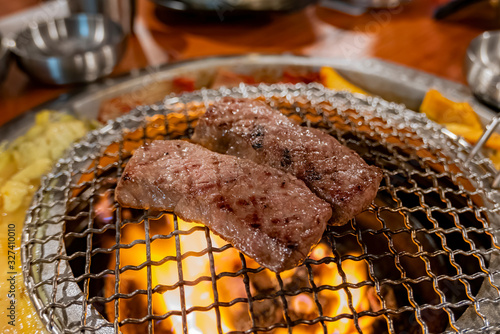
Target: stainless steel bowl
[376,3]
[120,11]
[482,67]
[4,59]
[80,48]
[232,7]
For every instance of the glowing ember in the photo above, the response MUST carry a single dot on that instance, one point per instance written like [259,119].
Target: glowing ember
[103,209]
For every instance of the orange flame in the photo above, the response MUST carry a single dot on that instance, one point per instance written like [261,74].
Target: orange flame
[199,293]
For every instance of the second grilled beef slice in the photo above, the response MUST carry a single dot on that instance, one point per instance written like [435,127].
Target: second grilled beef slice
[251,129]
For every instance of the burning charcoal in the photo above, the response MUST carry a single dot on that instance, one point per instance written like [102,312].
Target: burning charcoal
[104,210]
[302,306]
[135,307]
[267,312]
[299,279]
[263,283]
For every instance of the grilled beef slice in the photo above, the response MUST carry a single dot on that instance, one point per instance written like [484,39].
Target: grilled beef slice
[251,129]
[267,214]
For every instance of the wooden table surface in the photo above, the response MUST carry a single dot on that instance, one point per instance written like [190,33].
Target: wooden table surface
[407,35]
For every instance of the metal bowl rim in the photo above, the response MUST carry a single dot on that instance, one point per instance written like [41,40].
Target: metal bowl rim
[21,54]
[474,60]
[4,49]
[241,6]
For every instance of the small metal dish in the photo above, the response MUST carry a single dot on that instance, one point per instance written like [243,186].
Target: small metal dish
[482,68]
[80,48]
[231,8]
[376,3]
[4,59]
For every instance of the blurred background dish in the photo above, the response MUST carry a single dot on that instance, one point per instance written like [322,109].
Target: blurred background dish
[221,8]
[80,48]
[359,7]
[4,59]
[482,68]
[119,11]
[372,3]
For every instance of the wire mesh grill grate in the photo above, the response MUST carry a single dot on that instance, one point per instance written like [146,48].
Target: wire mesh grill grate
[428,243]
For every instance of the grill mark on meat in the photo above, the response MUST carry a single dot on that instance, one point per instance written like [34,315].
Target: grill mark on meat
[239,200]
[290,244]
[223,204]
[253,220]
[242,202]
[230,180]
[215,163]
[189,176]
[286,160]
[312,175]
[159,180]
[257,137]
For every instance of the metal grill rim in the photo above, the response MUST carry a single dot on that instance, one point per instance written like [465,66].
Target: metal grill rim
[395,119]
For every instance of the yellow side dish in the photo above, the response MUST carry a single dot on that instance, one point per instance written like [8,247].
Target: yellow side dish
[22,163]
[444,111]
[332,80]
[495,157]
[461,119]
[472,135]
[30,156]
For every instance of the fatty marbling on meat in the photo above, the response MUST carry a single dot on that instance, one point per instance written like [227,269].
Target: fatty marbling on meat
[251,129]
[269,215]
